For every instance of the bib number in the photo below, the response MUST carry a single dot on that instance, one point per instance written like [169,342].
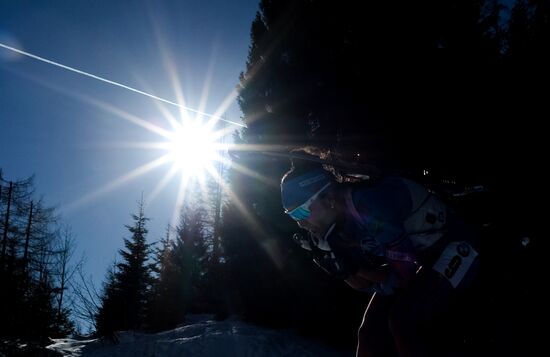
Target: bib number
[455,261]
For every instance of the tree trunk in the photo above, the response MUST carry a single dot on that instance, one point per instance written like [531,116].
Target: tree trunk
[6,224]
[27,238]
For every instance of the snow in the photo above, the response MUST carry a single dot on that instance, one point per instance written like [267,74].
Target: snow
[201,337]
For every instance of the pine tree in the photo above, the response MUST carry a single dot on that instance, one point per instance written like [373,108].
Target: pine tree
[168,306]
[520,35]
[109,315]
[190,251]
[128,287]
[182,284]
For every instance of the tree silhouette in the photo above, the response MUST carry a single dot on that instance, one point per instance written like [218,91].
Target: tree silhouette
[182,269]
[31,287]
[128,286]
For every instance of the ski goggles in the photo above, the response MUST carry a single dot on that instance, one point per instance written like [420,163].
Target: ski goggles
[302,211]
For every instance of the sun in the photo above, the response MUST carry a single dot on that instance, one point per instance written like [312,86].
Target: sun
[191,143]
[193,148]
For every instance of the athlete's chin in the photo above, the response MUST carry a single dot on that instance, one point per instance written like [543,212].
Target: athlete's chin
[314,232]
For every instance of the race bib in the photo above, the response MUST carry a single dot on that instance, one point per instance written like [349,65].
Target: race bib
[454,262]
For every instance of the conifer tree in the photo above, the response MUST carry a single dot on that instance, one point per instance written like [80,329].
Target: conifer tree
[128,287]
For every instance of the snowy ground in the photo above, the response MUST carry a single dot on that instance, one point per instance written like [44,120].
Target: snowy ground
[202,337]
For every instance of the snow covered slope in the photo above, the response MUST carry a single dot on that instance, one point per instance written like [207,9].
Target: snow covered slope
[204,337]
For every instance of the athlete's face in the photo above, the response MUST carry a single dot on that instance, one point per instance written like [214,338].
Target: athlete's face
[323,214]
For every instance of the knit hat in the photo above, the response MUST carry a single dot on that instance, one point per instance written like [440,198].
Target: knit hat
[295,190]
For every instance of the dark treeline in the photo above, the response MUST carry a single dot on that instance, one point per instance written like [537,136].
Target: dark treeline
[456,88]
[35,267]
[154,285]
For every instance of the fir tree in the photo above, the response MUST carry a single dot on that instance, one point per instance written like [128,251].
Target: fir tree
[128,287]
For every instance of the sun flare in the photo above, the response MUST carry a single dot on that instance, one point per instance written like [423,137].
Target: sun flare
[193,148]
[191,143]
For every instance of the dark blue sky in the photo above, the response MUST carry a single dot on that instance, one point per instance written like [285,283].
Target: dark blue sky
[49,128]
